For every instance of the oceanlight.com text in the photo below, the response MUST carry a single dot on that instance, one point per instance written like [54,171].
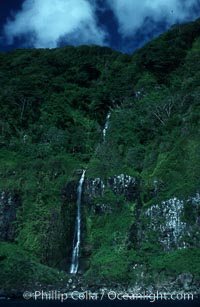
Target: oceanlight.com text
[109,295]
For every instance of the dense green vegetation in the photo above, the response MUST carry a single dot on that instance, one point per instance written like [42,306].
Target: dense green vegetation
[23,270]
[53,108]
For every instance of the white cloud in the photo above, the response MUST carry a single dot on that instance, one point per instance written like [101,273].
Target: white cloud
[43,23]
[132,15]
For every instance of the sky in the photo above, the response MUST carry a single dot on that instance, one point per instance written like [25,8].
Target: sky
[123,25]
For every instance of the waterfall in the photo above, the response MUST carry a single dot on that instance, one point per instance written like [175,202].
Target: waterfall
[106,126]
[77,230]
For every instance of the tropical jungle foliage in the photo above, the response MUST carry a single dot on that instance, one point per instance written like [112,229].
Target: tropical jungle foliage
[53,109]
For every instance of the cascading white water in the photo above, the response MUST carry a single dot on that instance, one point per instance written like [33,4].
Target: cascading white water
[77,230]
[106,126]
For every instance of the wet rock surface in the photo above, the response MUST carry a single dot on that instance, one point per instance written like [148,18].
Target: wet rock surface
[9,203]
[76,286]
[69,191]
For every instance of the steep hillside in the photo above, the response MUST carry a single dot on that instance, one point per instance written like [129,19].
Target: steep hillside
[140,200]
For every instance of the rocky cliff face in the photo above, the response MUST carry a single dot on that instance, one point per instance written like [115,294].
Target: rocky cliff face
[167,220]
[122,184]
[152,236]
[168,224]
[9,203]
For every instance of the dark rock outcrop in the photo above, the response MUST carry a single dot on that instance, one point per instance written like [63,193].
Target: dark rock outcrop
[69,191]
[9,203]
[122,184]
[185,280]
[102,208]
